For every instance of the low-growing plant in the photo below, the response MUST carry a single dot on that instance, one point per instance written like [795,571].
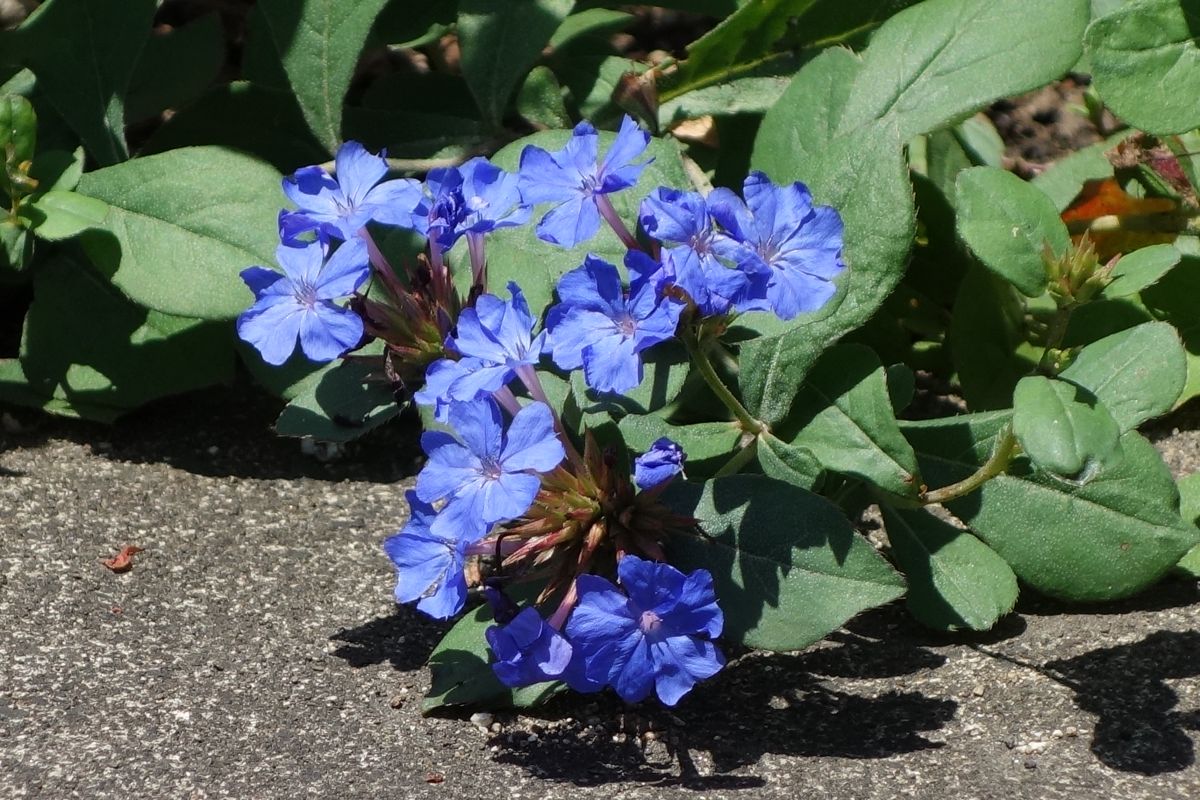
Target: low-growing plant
[659,379]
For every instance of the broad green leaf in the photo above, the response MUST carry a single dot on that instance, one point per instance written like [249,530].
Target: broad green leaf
[796,131]
[540,100]
[787,566]
[516,254]
[16,250]
[1141,268]
[18,142]
[592,82]
[791,463]
[56,170]
[60,215]
[842,414]
[1173,299]
[755,94]
[664,369]
[943,59]
[261,122]
[405,24]
[1007,223]
[175,68]
[954,580]
[1189,508]
[590,22]
[987,340]
[408,134]
[95,354]
[462,676]
[182,225]
[980,139]
[340,406]
[1137,374]
[500,41]
[1064,429]
[318,43]
[84,53]
[1144,59]
[1102,539]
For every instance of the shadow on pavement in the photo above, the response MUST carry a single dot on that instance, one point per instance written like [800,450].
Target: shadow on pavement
[403,639]
[1139,729]
[761,703]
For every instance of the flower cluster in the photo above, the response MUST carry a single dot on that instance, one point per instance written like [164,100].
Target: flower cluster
[511,492]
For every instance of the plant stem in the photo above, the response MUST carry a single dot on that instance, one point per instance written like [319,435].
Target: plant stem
[996,464]
[740,459]
[749,424]
[1054,338]
[615,222]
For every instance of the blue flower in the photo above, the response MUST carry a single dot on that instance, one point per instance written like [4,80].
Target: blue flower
[656,636]
[597,327]
[527,650]
[575,183]
[473,199]
[798,243]
[299,302]
[486,474]
[429,567]
[681,218]
[339,208]
[496,340]
[663,461]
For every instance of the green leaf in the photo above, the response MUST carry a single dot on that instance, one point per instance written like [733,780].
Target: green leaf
[591,22]
[1189,509]
[516,254]
[843,415]
[255,120]
[1137,374]
[1144,59]
[84,53]
[16,250]
[339,406]
[540,100]
[742,37]
[791,463]
[1141,268]
[943,59]
[405,24]
[56,169]
[1173,299]
[18,141]
[787,566]
[1062,428]
[318,43]
[753,94]
[1108,537]
[60,215]
[182,225]
[87,351]
[175,68]
[1063,180]
[462,676]
[1007,223]
[796,131]
[664,369]
[954,580]
[500,41]
[987,340]
[981,141]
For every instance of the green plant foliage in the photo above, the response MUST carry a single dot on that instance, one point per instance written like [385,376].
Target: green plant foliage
[59,214]
[987,340]
[1008,223]
[842,414]
[954,580]
[1144,58]
[788,567]
[338,404]
[1140,269]
[88,352]
[943,59]
[182,225]
[1189,508]
[1101,538]
[1061,427]
[788,462]
[1136,374]
[175,68]
[65,40]
[1174,299]
[317,43]
[501,40]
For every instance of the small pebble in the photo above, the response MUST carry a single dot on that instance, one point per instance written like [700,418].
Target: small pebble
[1056,734]
[1031,763]
[977,691]
[482,720]
[1071,731]
[618,738]
[397,701]
[496,728]
[531,738]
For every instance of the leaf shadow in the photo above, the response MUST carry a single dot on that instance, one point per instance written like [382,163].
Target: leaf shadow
[1138,728]
[404,639]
